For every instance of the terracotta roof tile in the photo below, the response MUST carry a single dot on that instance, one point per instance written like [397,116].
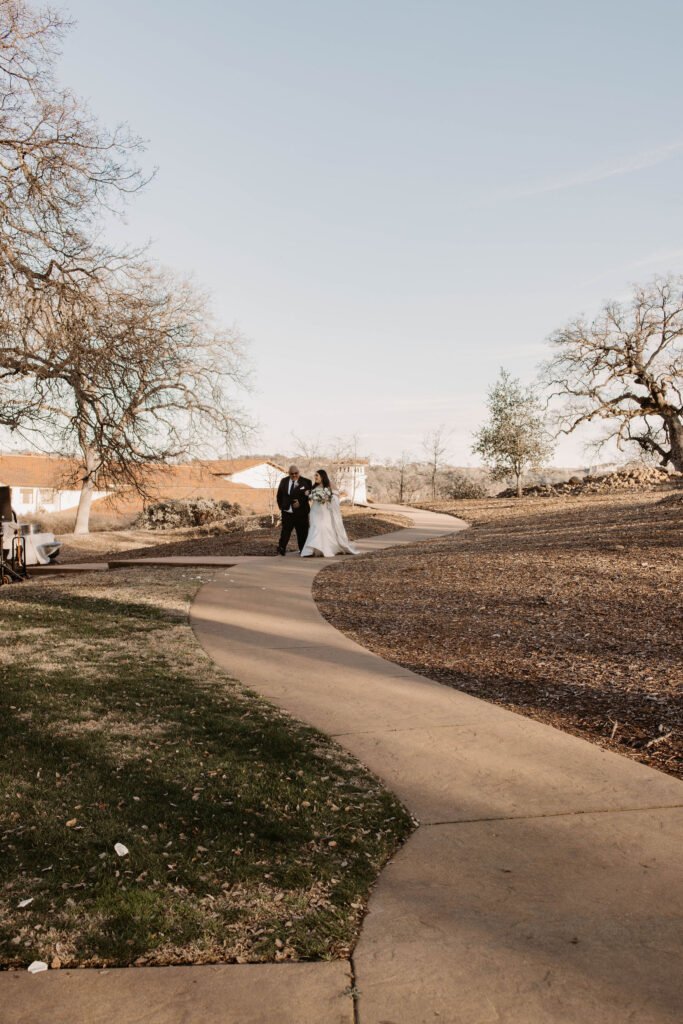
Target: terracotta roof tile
[189,480]
[39,471]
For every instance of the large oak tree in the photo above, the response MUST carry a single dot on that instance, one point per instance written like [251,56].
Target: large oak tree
[624,369]
[125,375]
[101,356]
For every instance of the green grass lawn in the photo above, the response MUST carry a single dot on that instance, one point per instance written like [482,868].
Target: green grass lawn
[251,837]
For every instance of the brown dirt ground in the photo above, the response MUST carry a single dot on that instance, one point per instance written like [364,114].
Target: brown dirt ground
[98,547]
[563,609]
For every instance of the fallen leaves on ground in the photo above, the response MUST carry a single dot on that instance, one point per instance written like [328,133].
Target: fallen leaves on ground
[564,609]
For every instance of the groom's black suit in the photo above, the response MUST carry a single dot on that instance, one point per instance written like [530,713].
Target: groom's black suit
[297,519]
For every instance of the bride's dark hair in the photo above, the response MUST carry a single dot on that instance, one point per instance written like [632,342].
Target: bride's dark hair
[325,478]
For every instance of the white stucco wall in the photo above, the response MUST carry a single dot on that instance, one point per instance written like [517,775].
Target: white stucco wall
[262,476]
[32,500]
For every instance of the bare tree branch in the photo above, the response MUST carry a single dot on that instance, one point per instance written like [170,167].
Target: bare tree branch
[60,169]
[126,375]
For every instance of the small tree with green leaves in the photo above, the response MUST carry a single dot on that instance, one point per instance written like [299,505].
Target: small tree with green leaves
[515,439]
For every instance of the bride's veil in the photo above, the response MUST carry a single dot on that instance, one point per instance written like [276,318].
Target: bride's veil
[335,511]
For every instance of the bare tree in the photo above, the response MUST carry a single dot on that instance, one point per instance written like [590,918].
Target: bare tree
[344,456]
[352,447]
[59,170]
[127,374]
[273,477]
[625,369]
[515,439]
[435,446]
[335,456]
[58,166]
[402,465]
[309,454]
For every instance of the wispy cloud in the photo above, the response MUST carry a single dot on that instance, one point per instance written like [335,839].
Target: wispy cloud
[597,172]
[661,262]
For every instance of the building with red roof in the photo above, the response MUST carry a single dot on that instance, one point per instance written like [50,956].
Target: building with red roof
[47,483]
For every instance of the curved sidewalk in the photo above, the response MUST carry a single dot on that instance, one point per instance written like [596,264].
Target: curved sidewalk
[542,883]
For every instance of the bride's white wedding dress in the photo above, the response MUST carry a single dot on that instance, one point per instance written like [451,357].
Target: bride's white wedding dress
[326,534]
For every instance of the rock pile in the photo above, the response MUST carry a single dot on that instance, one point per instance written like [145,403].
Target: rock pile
[636,478]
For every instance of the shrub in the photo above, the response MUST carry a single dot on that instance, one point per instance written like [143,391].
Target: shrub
[179,512]
[459,486]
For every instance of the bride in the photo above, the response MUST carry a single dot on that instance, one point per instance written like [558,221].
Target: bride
[326,535]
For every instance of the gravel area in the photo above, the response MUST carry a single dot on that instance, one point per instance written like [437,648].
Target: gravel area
[564,609]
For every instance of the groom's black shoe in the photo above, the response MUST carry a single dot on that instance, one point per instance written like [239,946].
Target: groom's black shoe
[281,550]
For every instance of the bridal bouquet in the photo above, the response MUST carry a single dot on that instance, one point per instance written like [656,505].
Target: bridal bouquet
[321,494]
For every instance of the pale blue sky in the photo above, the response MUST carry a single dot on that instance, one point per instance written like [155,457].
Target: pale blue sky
[393,199]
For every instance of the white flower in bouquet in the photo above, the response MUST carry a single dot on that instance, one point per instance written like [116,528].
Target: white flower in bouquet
[321,495]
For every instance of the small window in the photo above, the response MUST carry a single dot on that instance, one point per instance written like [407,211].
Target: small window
[26,495]
[46,495]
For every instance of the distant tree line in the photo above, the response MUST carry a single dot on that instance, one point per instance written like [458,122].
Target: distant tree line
[403,481]
[452,483]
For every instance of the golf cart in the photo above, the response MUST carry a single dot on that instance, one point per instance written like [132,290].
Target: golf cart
[21,544]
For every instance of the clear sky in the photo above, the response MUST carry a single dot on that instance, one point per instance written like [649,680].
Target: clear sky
[394,199]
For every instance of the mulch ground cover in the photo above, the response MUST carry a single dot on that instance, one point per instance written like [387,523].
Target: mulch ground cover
[564,609]
[152,811]
[262,540]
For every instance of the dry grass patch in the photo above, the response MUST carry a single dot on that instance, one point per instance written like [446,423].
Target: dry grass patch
[564,609]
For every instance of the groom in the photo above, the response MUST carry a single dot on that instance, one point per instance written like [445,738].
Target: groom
[292,500]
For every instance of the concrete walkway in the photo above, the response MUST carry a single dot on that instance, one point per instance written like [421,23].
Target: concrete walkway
[542,886]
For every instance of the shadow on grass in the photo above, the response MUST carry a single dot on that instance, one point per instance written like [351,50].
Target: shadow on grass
[223,803]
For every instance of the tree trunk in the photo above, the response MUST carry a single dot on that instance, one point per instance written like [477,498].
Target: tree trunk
[87,491]
[84,503]
[520,493]
[676,438]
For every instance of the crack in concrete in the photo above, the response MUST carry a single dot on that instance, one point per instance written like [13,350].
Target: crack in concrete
[550,814]
[354,993]
[409,728]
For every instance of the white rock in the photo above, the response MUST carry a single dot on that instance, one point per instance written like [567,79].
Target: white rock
[37,966]
[25,903]
[121,849]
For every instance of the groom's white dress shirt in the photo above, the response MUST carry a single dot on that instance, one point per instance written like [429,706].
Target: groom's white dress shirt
[291,484]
